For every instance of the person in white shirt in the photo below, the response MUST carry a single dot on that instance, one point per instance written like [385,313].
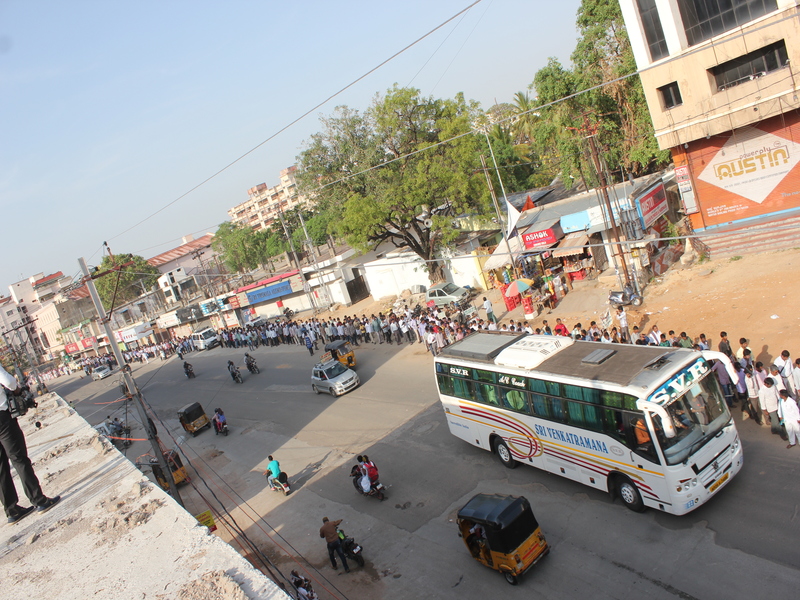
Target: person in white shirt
[784,364]
[768,398]
[790,415]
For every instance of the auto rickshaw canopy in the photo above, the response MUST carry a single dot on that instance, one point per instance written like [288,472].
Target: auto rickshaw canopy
[342,351]
[337,345]
[507,520]
[191,412]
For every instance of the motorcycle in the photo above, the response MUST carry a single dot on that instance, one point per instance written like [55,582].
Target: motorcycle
[253,367]
[221,428]
[376,488]
[627,296]
[350,548]
[189,371]
[288,312]
[237,377]
[280,483]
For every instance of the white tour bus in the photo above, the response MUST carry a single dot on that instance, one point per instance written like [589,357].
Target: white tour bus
[647,423]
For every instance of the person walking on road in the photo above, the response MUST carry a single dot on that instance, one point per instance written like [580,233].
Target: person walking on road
[331,535]
[487,306]
[790,415]
[13,450]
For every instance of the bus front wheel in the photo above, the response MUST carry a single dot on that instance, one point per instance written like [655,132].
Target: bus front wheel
[505,454]
[629,494]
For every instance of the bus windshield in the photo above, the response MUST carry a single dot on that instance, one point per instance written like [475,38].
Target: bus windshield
[697,416]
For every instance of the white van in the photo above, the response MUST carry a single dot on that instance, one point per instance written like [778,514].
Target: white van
[205,339]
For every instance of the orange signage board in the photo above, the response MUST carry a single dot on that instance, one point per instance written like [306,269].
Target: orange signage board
[747,173]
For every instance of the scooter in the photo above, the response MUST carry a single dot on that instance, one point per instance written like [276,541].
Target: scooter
[376,488]
[350,548]
[280,483]
[221,429]
[627,296]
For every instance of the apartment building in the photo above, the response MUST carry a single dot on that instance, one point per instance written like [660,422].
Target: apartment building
[264,204]
[722,93]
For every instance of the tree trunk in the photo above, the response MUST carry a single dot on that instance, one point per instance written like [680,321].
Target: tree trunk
[435,272]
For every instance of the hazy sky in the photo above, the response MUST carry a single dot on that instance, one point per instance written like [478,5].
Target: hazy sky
[112,110]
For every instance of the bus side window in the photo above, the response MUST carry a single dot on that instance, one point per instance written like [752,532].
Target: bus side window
[615,426]
[483,392]
[462,389]
[515,400]
[584,415]
[644,448]
[557,409]
[540,406]
[445,384]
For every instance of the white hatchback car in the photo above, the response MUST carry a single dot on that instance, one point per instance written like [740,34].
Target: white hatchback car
[334,378]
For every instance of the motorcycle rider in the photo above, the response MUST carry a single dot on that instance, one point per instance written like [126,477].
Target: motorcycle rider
[219,420]
[273,471]
[249,361]
[232,370]
[187,368]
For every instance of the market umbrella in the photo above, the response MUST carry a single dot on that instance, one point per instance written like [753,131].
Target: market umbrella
[515,288]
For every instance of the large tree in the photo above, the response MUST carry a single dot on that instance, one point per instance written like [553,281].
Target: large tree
[387,176]
[127,283]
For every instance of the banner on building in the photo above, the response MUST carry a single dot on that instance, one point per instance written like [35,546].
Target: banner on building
[652,205]
[751,172]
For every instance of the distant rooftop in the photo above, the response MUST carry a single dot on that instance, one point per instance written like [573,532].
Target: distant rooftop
[48,279]
[181,251]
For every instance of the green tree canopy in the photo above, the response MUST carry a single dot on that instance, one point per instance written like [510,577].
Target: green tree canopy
[415,178]
[132,282]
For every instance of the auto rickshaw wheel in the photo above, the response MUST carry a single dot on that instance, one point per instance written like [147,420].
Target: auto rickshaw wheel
[630,494]
[504,454]
[511,578]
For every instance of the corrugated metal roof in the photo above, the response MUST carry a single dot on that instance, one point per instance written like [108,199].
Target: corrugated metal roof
[266,281]
[181,251]
[47,279]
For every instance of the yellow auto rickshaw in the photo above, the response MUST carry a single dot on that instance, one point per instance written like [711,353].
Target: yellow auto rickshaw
[193,418]
[179,474]
[502,533]
[342,351]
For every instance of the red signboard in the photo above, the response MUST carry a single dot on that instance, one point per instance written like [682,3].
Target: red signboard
[653,205]
[233,302]
[537,239]
[72,348]
[89,342]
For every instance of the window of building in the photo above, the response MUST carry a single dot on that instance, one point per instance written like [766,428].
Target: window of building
[703,19]
[670,95]
[750,66]
[653,33]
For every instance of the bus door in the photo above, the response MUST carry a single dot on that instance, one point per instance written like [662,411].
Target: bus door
[644,454]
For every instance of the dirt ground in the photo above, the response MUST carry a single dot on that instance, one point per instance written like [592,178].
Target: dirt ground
[755,296]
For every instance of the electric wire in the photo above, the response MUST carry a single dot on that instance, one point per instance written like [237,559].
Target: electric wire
[290,124]
[242,501]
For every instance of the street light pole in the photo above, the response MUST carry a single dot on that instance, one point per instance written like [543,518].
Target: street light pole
[130,383]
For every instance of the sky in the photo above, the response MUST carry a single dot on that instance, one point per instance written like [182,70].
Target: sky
[111,111]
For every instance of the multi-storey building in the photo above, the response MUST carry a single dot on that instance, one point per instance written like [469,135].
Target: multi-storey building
[264,204]
[722,93]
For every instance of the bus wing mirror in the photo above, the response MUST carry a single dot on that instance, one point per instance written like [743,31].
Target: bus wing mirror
[713,355]
[666,420]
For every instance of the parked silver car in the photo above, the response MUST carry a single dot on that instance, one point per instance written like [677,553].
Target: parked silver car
[445,293]
[101,372]
[334,378]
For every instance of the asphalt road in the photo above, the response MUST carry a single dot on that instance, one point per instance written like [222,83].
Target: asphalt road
[743,544]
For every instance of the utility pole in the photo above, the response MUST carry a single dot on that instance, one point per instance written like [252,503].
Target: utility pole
[288,237]
[133,390]
[591,133]
[313,251]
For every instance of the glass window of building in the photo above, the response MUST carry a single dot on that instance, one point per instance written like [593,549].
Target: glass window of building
[750,66]
[653,33]
[703,19]
[670,95]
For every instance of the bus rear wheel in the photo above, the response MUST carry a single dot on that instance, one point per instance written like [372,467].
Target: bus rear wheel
[505,454]
[629,494]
